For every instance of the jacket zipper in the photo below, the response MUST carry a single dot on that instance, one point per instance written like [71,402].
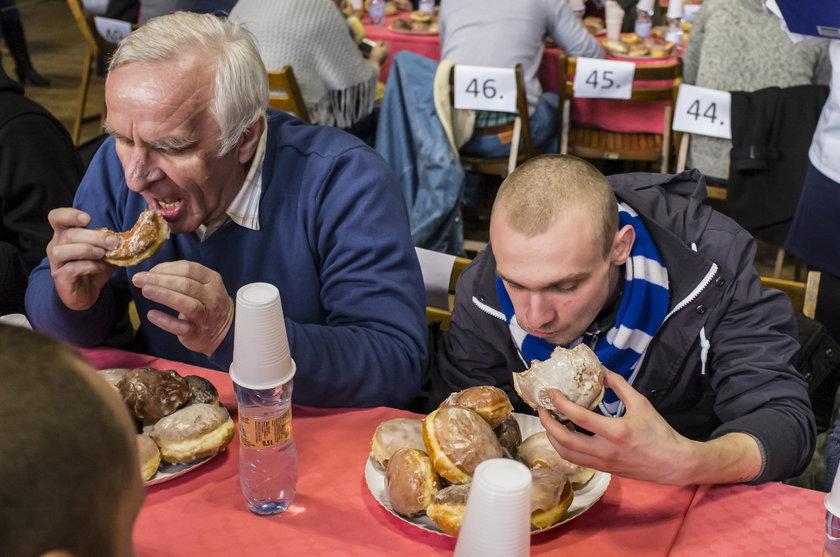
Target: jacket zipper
[694,293]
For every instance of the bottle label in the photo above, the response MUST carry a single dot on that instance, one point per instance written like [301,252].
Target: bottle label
[427,6]
[377,10]
[264,433]
[643,28]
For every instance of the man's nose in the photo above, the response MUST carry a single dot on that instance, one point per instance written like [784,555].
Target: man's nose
[539,312]
[141,170]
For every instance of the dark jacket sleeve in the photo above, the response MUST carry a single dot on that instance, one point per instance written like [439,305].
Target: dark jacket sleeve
[759,392]
[39,171]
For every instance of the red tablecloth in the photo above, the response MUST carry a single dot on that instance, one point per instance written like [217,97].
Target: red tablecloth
[203,513]
[609,115]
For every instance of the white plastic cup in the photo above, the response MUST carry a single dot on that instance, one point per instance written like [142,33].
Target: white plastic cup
[357,5]
[613,20]
[261,358]
[675,9]
[497,519]
[646,5]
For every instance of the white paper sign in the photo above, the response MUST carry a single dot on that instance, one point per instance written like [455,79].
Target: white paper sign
[484,88]
[703,111]
[437,270]
[95,6]
[112,30]
[603,79]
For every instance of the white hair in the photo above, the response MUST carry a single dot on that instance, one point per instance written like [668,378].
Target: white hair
[240,95]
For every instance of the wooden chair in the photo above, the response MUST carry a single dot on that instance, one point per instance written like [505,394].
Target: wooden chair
[803,295]
[285,93]
[97,49]
[520,128]
[440,274]
[595,143]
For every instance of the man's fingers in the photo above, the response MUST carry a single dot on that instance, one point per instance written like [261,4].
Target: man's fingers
[170,323]
[67,217]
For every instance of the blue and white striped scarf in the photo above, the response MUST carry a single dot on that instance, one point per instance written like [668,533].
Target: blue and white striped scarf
[641,311]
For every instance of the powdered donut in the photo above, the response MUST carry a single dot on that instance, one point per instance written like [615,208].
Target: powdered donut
[194,432]
[141,242]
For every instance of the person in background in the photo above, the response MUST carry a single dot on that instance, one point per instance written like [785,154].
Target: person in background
[11,28]
[502,33]
[700,388]
[337,83]
[39,171]
[250,194]
[71,478]
[739,45]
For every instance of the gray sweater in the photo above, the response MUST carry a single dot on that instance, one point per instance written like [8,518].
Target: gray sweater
[738,45]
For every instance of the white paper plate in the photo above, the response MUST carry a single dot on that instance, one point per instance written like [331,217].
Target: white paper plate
[585,496]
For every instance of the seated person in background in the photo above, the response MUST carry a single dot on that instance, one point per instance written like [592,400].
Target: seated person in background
[504,33]
[664,290]
[39,171]
[739,45]
[156,8]
[337,83]
[250,195]
[71,479]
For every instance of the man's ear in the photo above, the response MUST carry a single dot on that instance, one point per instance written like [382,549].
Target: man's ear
[250,139]
[622,244]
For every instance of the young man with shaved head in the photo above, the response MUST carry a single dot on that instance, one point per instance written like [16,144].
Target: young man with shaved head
[700,389]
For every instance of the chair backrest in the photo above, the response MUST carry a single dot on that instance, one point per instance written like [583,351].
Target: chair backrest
[651,82]
[285,93]
[502,165]
[97,45]
[803,295]
[440,275]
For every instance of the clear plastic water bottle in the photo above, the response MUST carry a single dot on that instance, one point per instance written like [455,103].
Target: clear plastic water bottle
[268,460]
[674,32]
[377,12]
[427,6]
[831,547]
[644,22]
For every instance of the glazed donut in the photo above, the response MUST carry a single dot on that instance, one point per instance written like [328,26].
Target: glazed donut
[393,435]
[153,393]
[632,38]
[202,391]
[491,403]
[576,372]
[536,452]
[410,481]
[638,50]
[447,508]
[139,243]
[551,497]
[194,432]
[458,440]
[614,46]
[149,456]
[421,16]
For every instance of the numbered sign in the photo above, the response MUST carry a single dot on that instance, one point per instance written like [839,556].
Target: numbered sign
[112,30]
[483,88]
[603,79]
[703,111]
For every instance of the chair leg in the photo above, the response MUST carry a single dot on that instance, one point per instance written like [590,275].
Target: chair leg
[83,92]
[780,261]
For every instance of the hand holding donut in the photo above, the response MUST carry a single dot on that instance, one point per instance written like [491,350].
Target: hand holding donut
[76,257]
[205,310]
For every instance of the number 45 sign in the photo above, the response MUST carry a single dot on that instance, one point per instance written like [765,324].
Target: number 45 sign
[703,111]
[485,88]
[603,79]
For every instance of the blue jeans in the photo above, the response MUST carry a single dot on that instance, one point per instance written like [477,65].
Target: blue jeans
[543,132]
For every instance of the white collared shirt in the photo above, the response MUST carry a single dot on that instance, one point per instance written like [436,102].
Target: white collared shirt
[244,210]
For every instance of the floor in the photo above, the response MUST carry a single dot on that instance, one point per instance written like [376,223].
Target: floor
[57,50]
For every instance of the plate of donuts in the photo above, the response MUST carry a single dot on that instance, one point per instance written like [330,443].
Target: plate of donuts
[587,488]
[180,423]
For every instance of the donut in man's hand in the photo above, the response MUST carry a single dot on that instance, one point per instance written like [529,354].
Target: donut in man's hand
[139,243]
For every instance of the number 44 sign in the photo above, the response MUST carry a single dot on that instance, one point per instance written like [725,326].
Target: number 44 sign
[703,111]
[485,88]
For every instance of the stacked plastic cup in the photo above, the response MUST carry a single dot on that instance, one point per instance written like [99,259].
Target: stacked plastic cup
[497,519]
[831,545]
[614,16]
[261,358]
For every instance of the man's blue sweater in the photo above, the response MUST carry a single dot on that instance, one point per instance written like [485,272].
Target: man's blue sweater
[333,238]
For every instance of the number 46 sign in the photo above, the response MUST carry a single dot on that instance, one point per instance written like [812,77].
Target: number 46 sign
[485,88]
[703,111]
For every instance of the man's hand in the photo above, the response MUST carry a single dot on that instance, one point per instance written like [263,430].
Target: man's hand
[205,311]
[75,254]
[641,445]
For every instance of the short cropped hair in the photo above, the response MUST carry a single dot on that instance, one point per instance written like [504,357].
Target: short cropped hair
[240,95]
[65,458]
[544,187]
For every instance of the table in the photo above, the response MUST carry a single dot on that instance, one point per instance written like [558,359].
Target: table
[609,115]
[203,513]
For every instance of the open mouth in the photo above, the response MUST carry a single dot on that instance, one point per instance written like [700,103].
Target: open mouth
[168,208]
